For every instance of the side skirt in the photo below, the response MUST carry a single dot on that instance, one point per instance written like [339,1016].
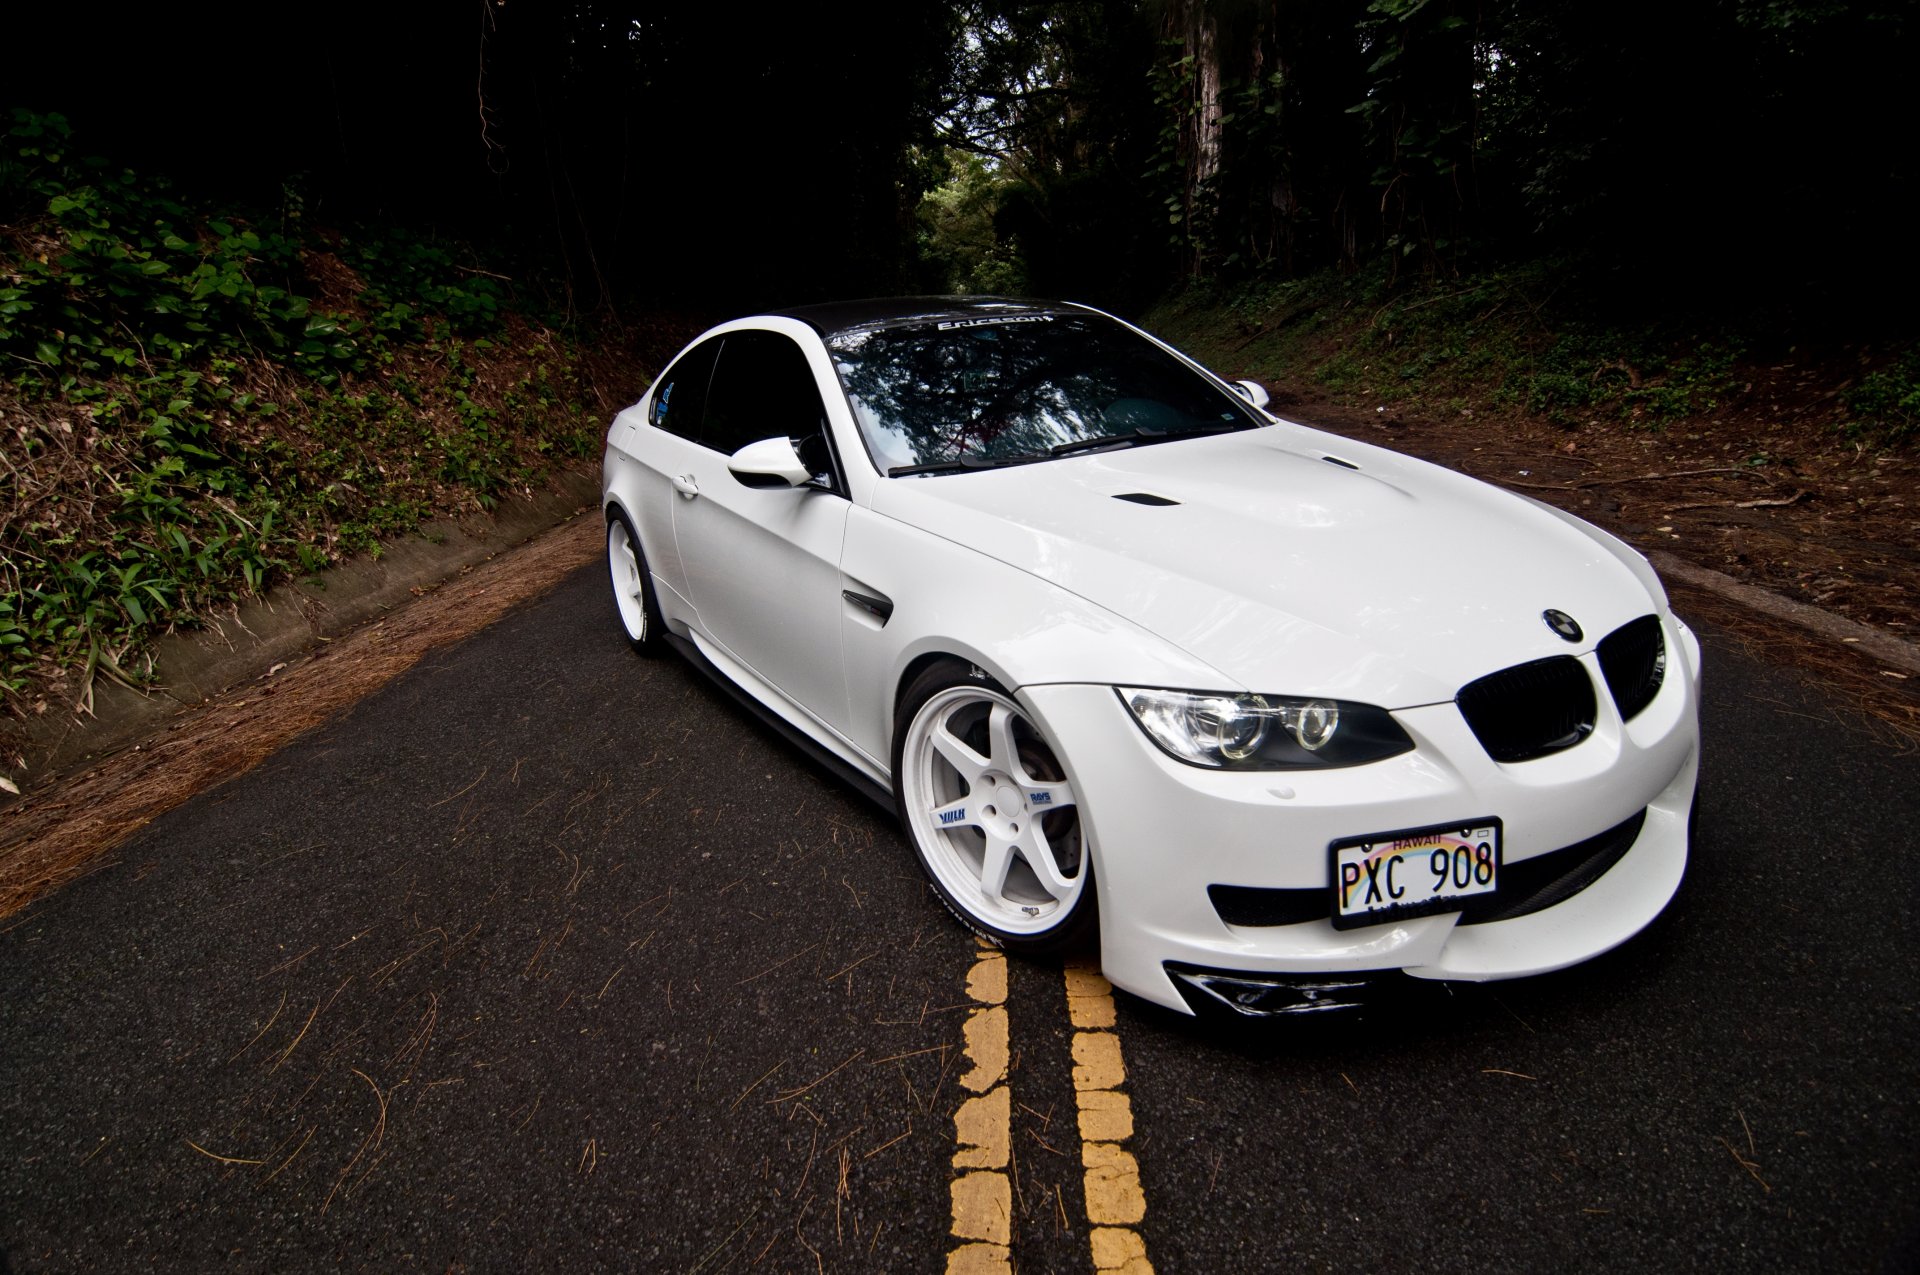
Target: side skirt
[842,770]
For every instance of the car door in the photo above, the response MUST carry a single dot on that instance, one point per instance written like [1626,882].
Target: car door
[762,564]
[674,412]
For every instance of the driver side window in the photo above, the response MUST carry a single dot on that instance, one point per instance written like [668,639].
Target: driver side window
[763,388]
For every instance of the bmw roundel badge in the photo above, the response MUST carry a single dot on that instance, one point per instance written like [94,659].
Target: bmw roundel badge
[1562,623]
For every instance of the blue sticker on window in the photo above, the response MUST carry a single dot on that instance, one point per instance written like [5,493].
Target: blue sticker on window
[660,406]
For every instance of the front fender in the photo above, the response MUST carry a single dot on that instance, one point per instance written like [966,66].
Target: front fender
[948,599]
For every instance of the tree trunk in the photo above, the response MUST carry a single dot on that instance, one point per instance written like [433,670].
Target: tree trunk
[1193,24]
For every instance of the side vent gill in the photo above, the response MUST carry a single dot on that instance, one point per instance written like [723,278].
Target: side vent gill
[1144,498]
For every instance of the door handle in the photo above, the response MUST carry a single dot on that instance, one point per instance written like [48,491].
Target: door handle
[684,484]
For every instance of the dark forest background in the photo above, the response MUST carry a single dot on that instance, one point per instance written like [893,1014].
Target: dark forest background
[278,283]
[1731,153]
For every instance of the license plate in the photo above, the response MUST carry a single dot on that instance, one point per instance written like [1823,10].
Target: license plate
[1389,876]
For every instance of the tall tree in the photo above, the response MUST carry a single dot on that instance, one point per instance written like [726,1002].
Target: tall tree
[1419,113]
[1055,94]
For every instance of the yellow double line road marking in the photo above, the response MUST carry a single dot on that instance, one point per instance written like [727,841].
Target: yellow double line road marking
[982,1190]
[1115,1200]
[983,1128]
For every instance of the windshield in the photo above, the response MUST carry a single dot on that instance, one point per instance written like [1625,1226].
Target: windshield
[1019,387]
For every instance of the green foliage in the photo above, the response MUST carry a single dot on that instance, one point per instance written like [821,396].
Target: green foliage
[958,238]
[1191,204]
[409,278]
[1207,221]
[1491,339]
[1418,113]
[1033,183]
[1885,405]
[1437,137]
[120,274]
[1293,137]
[184,424]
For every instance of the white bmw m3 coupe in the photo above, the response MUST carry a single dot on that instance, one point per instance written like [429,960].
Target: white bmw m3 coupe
[1262,710]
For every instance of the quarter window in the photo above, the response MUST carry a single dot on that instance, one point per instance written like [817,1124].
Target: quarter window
[681,400]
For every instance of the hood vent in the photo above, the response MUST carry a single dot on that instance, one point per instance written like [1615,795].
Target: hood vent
[1144,498]
[1335,460]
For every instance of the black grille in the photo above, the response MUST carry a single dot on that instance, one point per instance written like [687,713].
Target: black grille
[1532,885]
[1530,710]
[1536,884]
[1633,659]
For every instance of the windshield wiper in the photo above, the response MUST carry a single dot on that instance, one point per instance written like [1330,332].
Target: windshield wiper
[1104,440]
[963,463]
[1143,435]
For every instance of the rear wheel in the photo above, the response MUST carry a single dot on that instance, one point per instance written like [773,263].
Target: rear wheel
[633,587]
[992,815]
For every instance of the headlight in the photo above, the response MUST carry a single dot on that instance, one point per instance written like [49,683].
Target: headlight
[1228,731]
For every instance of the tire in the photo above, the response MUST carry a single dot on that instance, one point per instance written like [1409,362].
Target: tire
[633,600]
[968,766]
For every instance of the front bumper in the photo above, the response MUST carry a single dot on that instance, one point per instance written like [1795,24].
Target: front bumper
[1164,832]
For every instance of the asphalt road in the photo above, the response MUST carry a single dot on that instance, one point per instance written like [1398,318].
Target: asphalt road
[548,958]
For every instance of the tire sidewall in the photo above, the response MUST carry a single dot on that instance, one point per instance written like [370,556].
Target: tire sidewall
[655,640]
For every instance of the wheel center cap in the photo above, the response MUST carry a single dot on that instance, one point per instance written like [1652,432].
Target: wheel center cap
[1009,799]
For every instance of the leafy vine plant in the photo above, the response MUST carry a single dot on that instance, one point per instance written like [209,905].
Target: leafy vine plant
[182,421]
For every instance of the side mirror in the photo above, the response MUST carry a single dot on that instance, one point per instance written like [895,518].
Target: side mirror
[1252,391]
[771,462]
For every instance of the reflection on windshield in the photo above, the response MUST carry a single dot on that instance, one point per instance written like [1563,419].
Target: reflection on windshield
[1017,387]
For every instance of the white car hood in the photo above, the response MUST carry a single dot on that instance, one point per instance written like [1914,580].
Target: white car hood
[1394,583]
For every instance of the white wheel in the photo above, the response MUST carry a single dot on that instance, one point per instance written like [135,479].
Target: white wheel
[992,814]
[632,586]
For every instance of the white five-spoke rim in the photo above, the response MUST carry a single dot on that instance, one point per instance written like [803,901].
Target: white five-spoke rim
[629,585]
[999,836]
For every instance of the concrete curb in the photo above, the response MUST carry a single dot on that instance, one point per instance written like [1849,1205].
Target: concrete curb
[1878,643]
[289,621]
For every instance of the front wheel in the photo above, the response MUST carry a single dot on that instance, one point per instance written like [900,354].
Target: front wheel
[991,813]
